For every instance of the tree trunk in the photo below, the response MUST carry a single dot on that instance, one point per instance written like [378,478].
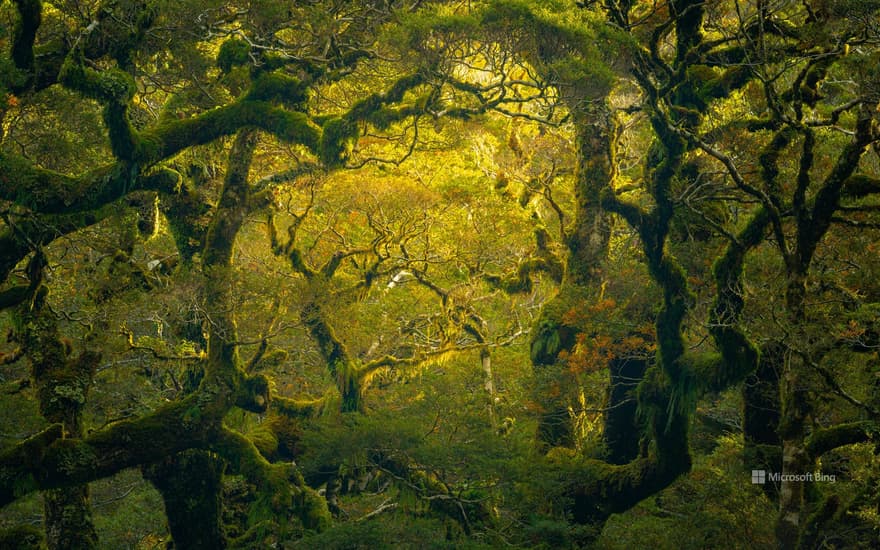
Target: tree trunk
[68,517]
[621,430]
[191,486]
[587,243]
[62,384]
[489,385]
[792,428]
[761,410]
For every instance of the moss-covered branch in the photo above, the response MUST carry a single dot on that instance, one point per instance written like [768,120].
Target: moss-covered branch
[282,492]
[860,185]
[739,354]
[297,408]
[171,137]
[823,440]
[428,486]
[47,462]
[340,132]
[27,231]
[112,87]
[601,489]
[49,192]
[827,200]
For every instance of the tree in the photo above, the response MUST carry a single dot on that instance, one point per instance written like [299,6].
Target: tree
[656,181]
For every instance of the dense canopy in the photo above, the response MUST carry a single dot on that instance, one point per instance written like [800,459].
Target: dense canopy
[397,273]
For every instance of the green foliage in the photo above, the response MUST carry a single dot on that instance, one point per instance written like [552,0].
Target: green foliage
[128,512]
[714,505]
[24,537]
[395,531]
[418,258]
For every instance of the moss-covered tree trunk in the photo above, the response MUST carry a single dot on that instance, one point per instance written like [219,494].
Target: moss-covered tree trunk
[813,219]
[761,410]
[191,486]
[621,431]
[52,204]
[796,408]
[191,482]
[62,381]
[340,364]
[587,243]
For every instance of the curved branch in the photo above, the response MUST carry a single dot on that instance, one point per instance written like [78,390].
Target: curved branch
[46,461]
[823,440]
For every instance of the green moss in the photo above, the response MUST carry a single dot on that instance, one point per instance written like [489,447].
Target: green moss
[337,139]
[272,86]
[190,483]
[192,415]
[315,514]
[172,136]
[264,439]
[558,325]
[22,537]
[111,85]
[233,52]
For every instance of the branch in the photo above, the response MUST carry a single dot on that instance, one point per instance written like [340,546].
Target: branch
[46,461]
[280,486]
[634,215]
[739,354]
[48,192]
[171,137]
[297,408]
[860,185]
[823,440]
[384,507]
[129,339]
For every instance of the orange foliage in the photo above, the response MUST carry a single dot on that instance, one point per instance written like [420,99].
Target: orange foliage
[603,305]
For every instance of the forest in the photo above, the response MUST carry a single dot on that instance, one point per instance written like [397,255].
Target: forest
[348,274]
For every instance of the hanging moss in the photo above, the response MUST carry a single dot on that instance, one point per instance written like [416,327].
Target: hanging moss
[337,139]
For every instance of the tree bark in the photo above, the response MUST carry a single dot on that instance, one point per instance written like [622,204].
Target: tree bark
[62,382]
[587,243]
[621,431]
[191,486]
[761,414]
